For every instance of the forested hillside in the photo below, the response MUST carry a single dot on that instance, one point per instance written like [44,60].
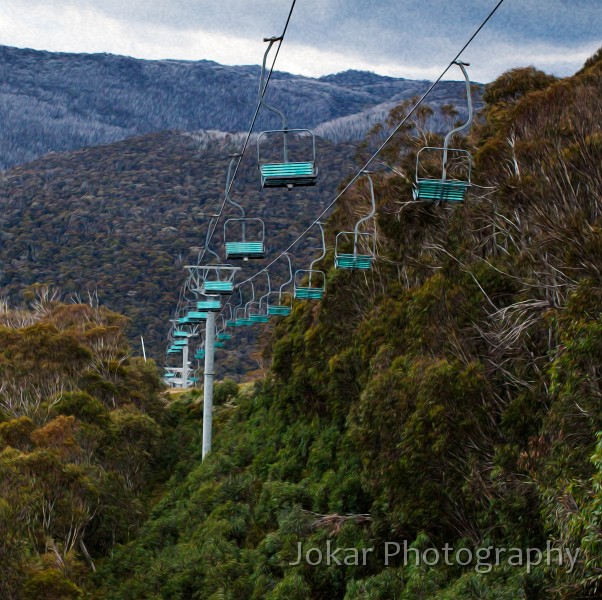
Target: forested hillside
[119,222]
[450,396]
[55,102]
[84,443]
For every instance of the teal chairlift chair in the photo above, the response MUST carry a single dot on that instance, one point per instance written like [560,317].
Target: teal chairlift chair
[310,284]
[364,244]
[284,172]
[456,164]
[282,308]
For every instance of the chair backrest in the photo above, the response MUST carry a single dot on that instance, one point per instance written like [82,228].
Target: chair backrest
[279,298]
[316,280]
[361,244]
[310,158]
[257,231]
[458,164]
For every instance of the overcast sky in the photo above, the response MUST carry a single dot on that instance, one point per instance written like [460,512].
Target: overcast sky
[402,38]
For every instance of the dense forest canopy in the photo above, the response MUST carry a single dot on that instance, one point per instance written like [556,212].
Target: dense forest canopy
[119,222]
[450,396]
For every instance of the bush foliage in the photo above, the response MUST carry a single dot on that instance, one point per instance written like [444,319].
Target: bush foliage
[449,396]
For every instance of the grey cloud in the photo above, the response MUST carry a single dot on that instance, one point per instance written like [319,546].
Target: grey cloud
[342,21]
[418,33]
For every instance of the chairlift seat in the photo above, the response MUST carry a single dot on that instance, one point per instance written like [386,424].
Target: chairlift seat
[223,337]
[197,316]
[259,318]
[219,345]
[181,334]
[439,190]
[288,174]
[245,250]
[309,293]
[279,310]
[217,287]
[209,305]
[199,355]
[353,261]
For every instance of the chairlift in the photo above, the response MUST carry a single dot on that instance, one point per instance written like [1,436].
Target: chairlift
[247,318]
[257,316]
[235,319]
[199,351]
[195,316]
[244,237]
[221,335]
[254,315]
[218,286]
[316,279]
[221,281]
[314,290]
[282,309]
[284,173]
[261,316]
[240,311]
[242,321]
[231,321]
[212,279]
[364,244]
[456,172]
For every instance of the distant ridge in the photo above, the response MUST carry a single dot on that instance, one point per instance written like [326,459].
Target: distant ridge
[62,102]
[354,77]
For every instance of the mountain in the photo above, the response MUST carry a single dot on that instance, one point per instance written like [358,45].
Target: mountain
[120,221]
[429,429]
[55,102]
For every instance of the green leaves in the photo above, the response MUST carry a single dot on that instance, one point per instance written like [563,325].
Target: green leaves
[71,474]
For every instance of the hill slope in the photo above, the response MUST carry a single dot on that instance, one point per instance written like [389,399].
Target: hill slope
[449,397]
[121,221]
[57,102]
[84,442]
